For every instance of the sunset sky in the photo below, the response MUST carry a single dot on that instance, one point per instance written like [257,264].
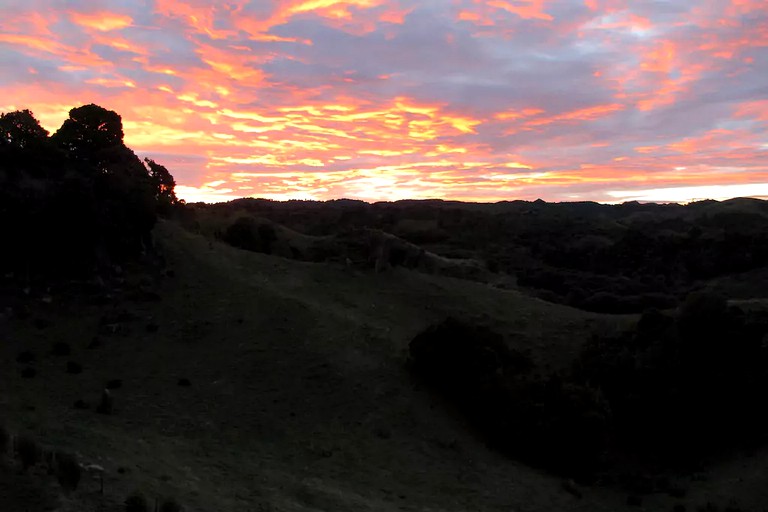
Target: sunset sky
[485,100]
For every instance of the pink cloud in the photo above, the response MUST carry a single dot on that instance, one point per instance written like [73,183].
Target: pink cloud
[390,99]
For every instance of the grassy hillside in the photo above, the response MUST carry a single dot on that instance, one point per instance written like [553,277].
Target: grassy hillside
[299,397]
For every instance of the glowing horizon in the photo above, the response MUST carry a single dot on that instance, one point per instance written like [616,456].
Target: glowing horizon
[603,100]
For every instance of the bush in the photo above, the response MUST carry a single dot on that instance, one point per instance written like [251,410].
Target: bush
[25,357]
[5,440]
[703,317]
[28,451]
[561,425]
[74,368]
[136,502]
[61,348]
[106,404]
[67,471]
[171,506]
[463,359]
[81,404]
[249,234]
[681,388]
[28,373]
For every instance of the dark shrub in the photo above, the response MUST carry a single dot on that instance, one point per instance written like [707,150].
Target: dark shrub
[249,234]
[5,440]
[184,383]
[562,425]
[114,384]
[136,502]
[81,404]
[681,388]
[171,506]
[654,324]
[28,372]
[106,404]
[74,368]
[25,357]
[61,348]
[703,317]
[462,358]
[559,425]
[67,471]
[42,323]
[28,451]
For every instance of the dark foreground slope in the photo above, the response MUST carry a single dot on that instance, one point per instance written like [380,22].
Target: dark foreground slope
[299,396]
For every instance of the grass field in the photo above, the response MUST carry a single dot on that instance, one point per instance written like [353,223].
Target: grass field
[300,399]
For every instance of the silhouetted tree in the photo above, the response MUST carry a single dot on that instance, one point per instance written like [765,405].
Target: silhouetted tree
[77,201]
[88,130]
[20,129]
[163,185]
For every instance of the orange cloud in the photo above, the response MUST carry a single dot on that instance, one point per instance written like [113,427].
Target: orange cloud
[719,139]
[101,21]
[487,13]
[383,99]
[582,114]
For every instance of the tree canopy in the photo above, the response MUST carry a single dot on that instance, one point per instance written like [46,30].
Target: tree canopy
[76,200]
[20,129]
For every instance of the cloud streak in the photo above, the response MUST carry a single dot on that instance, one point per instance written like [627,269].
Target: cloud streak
[390,99]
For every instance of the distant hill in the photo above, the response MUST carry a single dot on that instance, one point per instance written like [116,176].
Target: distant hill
[607,258]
